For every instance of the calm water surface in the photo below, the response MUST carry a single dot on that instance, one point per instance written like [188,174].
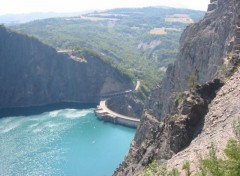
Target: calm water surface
[69,142]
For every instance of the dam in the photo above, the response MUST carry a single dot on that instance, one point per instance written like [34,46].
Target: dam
[104,113]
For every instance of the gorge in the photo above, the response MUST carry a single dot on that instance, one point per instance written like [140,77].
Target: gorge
[35,74]
[194,106]
[45,128]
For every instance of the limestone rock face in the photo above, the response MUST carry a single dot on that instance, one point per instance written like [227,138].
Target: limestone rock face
[203,47]
[32,73]
[174,117]
[161,139]
[217,127]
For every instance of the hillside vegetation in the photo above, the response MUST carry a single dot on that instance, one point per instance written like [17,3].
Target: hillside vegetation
[141,42]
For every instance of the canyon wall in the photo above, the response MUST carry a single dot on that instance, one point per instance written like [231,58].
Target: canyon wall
[32,73]
[178,111]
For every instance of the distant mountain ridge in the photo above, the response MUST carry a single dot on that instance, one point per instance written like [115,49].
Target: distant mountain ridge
[124,34]
[12,19]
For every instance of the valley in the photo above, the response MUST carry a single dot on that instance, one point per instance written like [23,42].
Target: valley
[124,35]
[173,74]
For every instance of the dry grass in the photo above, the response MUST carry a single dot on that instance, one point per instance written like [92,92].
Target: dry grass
[158,31]
[162,31]
[181,18]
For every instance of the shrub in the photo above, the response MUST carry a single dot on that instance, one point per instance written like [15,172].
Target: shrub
[212,164]
[192,81]
[174,172]
[186,167]
[229,166]
[179,97]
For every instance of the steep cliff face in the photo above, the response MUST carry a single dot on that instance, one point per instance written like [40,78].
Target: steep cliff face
[32,73]
[160,140]
[174,116]
[203,47]
[217,128]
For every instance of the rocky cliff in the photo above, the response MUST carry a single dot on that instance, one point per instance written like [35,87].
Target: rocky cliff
[128,105]
[32,73]
[175,116]
[203,47]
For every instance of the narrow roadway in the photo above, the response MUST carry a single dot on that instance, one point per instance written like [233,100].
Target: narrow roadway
[102,108]
[137,86]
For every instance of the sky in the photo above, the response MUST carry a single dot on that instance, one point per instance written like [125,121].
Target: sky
[28,6]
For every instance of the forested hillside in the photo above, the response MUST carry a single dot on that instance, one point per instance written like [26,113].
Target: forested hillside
[141,42]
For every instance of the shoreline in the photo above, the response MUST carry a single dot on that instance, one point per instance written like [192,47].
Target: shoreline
[38,109]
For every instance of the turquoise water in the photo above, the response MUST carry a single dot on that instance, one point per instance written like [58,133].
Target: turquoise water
[68,142]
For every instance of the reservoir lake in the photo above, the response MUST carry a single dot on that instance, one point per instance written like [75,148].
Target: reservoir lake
[67,142]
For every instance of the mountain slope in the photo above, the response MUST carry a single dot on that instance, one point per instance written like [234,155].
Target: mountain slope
[141,40]
[175,116]
[202,49]
[32,73]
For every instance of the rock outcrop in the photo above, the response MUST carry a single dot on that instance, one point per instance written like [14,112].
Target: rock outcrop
[217,128]
[203,47]
[32,73]
[173,118]
[159,140]
[127,105]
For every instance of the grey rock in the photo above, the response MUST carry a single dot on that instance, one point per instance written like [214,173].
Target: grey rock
[127,105]
[202,50]
[169,126]
[32,73]
[162,139]
[212,6]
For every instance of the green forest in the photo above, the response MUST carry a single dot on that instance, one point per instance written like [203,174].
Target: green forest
[140,42]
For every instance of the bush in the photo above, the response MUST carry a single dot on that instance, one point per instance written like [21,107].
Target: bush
[192,81]
[212,164]
[179,97]
[229,166]
[186,167]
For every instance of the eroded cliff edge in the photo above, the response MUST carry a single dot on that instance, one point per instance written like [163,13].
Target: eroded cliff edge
[32,73]
[175,116]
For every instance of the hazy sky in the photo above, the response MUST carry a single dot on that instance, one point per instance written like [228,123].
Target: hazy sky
[26,6]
